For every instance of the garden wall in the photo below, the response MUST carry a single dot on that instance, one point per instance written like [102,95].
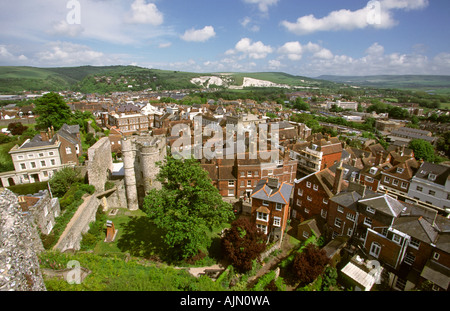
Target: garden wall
[79,224]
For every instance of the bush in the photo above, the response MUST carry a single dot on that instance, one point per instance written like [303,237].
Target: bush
[309,264]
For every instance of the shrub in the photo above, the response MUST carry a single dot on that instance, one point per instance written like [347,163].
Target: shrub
[309,264]
[242,244]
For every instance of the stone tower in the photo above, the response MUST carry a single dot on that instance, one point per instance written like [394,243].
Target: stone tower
[140,157]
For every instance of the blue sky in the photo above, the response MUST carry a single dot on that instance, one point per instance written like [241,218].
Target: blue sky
[300,37]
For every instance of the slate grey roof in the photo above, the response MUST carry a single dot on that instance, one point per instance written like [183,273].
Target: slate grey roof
[69,132]
[37,141]
[417,227]
[442,172]
[279,194]
[384,204]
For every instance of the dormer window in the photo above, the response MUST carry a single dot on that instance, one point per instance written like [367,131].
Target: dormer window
[373,170]
[400,170]
[432,177]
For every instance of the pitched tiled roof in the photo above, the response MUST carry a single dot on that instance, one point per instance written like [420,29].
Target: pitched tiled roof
[384,204]
[442,172]
[280,194]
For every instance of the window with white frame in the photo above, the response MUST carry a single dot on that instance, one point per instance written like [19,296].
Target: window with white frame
[436,256]
[350,231]
[414,243]
[338,222]
[370,210]
[68,150]
[325,201]
[404,185]
[396,238]
[387,179]
[33,164]
[262,216]
[309,198]
[300,192]
[375,249]
[262,228]
[409,259]
[249,183]
[351,217]
[43,164]
[265,203]
[23,166]
[249,174]
[315,187]
[306,210]
[395,182]
[340,209]
[277,221]
[230,192]
[323,213]
[400,170]
[279,207]
[431,192]
[299,202]
[308,184]
[432,177]
[230,183]
[305,234]
[368,179]
[368,221]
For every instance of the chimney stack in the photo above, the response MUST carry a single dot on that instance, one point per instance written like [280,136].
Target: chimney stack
[338,176]
[378,158]
[44,136]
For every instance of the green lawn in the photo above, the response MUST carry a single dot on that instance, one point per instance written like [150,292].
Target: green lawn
[139,237]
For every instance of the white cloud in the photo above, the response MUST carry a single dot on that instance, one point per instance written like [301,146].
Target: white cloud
[145,13]
[8,57]
[263,5]
[275,64]
[62,28]
[376,14]
[200,35]
[323,54]
[247,23]
[70,54]
[404,4]
[165,45]
[293,50]
[254,50]
[376,62]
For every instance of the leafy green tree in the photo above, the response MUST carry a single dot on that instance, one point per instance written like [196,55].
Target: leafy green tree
[422,150]
[398,113]
[301,105]
[62,180]
[52,111]
[187,207]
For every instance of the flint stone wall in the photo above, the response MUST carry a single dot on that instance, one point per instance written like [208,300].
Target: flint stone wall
[19,248]
[100,163]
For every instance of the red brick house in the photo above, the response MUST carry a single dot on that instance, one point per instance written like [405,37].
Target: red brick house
[313,192]
[270,206]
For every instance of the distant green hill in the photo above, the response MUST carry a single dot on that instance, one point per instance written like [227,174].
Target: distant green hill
[98,79]
[429,83]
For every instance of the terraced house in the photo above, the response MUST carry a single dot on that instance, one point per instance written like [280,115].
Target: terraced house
[410,243]
[270,206]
